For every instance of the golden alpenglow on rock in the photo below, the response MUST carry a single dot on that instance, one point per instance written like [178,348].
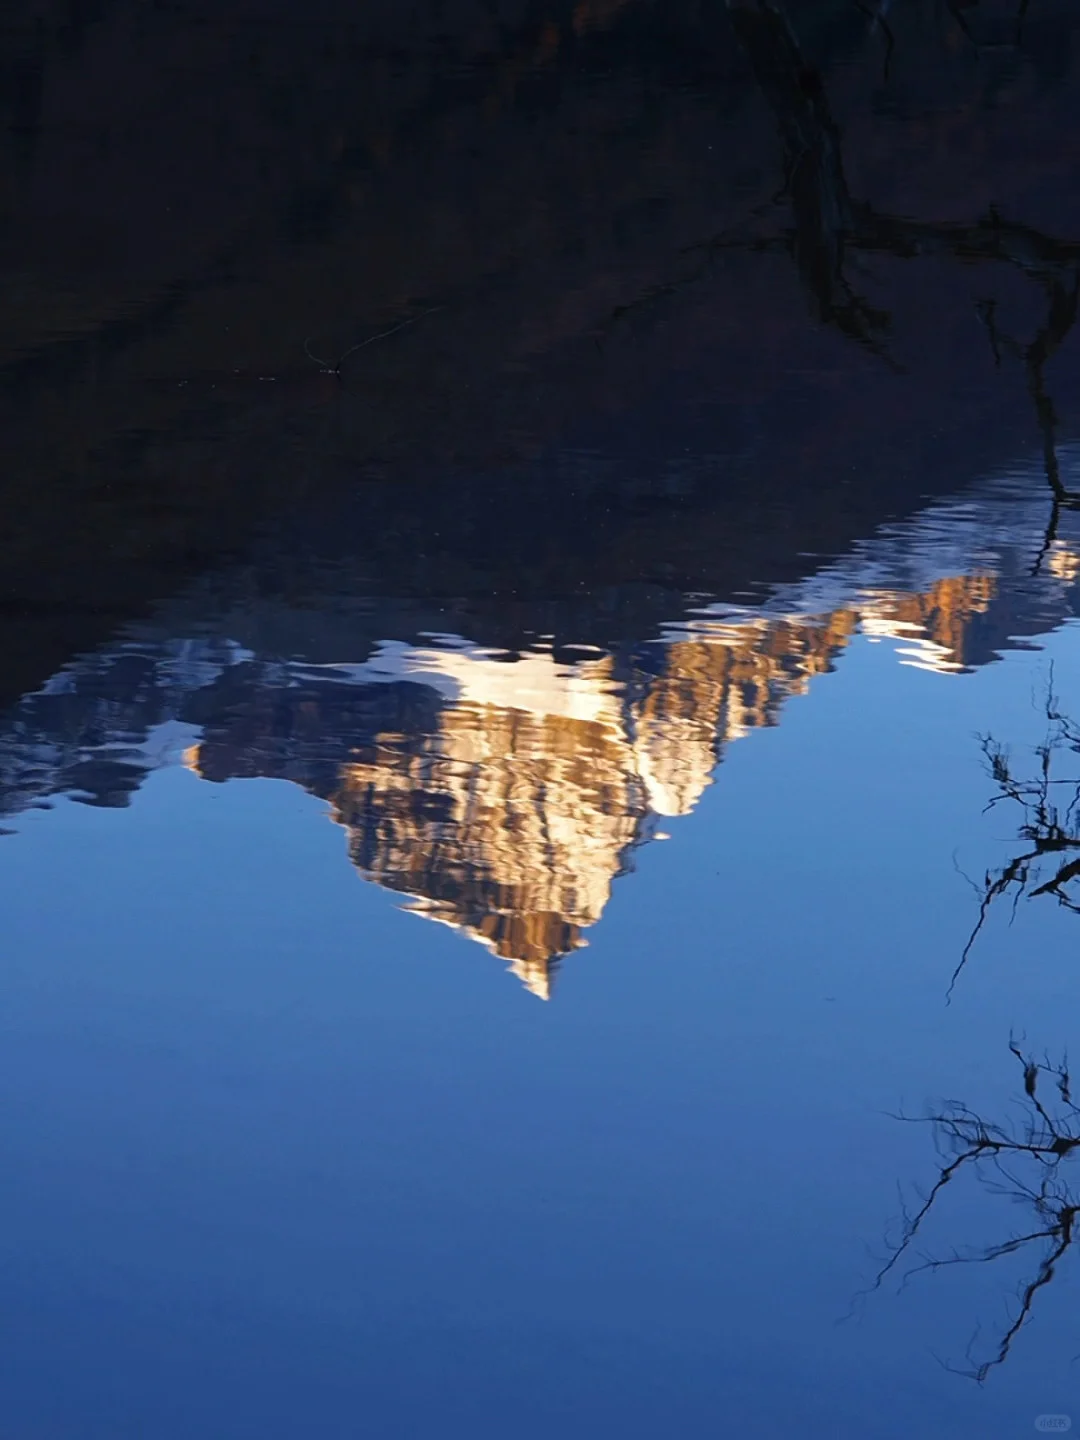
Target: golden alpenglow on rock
[510,811]
[932,625]
[507,824]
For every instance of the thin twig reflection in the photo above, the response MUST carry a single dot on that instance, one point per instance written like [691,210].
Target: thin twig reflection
[1023,1160]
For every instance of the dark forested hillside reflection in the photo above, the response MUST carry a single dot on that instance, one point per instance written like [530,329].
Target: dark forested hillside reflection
[825,303]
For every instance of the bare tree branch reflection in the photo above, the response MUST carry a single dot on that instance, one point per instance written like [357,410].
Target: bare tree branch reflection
[1023,1160]
[829,222]
[828,225]
[825,218]
[1049,803]
[877,20]
[1063,295]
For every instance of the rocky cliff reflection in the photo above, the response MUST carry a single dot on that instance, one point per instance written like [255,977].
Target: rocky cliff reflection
[504,794]
[502,791]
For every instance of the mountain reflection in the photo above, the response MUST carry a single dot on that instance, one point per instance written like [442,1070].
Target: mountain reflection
[504,796]
[502,791]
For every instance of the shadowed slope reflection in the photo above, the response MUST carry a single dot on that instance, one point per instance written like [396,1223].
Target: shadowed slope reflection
[502,791]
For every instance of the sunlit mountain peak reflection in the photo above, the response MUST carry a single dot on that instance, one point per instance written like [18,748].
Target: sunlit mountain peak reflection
[502,791]
[474,675]
[508,822]
[502,794]
[930,626]
[1063,561]
[507,803]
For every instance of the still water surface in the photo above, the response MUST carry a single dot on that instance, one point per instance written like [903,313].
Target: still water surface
[507,849]
[284,1154]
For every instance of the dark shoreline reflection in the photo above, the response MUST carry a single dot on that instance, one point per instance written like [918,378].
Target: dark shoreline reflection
[160,411]
[502,788]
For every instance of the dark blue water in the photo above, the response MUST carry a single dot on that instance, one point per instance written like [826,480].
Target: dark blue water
[527,859]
